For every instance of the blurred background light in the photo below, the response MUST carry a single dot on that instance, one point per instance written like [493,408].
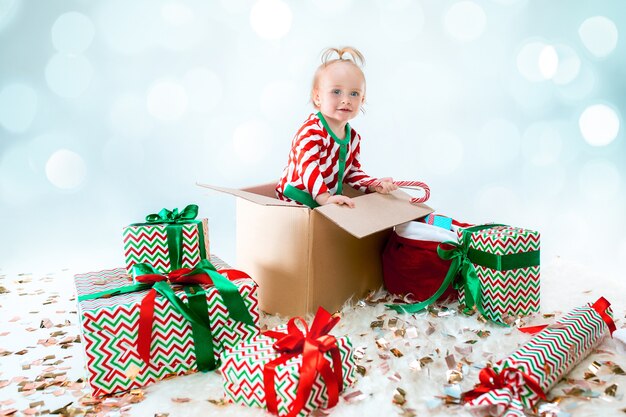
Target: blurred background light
[400,21]
[72,33]
[68,75]
[271,19]
[167,100]
[18,107]
[66,169]
[599,125]
[465,21]
[204,90]
[599,181]
[599,35]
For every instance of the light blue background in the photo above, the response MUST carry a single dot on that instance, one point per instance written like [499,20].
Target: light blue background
[111,110]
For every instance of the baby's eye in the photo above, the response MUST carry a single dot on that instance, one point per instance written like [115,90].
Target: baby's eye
[336,91]
[355,94]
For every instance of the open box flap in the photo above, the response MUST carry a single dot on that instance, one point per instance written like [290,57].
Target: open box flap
[374,212]
[261,194]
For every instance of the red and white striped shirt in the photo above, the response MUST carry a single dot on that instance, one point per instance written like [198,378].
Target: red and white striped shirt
[314,161]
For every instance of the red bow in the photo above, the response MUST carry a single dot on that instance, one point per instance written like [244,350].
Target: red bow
[312,344]
[507,378]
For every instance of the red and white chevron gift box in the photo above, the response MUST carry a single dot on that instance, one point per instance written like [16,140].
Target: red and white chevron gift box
[110,325]
[243,373]
[509,279]
[148,243]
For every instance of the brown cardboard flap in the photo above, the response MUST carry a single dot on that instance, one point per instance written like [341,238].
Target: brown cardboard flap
[256,194]
[374,212]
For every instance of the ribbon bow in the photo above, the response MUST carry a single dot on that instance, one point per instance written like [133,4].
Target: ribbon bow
[506,385]
[312,344]
[173,216]
[195,310]
[460,266]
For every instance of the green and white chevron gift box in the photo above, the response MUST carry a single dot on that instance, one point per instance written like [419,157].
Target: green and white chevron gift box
[506,260]
[110,330]
[244,369]
[168,240]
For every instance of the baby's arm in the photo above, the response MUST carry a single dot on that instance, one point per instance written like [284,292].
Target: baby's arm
[327,198]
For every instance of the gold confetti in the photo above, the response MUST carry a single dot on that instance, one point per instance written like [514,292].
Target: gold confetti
[219,402]
[399,396]
[392,322]
[396,353]
[361,370]
[377,323]
[382,343]
[425,360]
[611,390]
[454,376]
[399,332]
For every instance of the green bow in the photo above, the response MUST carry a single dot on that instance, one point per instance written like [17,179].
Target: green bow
[174,230]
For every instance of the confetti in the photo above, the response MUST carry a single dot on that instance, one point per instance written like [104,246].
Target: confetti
[181,400]
[396,353]
[399,396]
[411,332]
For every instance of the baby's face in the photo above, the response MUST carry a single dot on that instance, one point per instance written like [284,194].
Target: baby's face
[340,91]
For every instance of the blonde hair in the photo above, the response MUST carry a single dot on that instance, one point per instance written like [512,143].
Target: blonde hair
[353,56]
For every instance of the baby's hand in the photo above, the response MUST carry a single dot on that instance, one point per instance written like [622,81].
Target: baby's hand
[340,200]
[385,186]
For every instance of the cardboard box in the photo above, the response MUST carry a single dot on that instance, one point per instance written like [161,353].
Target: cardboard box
[303,258]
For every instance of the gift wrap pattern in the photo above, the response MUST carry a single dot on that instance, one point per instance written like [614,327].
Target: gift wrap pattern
[546,358]
[109,329]
[512,292]
[148,243]
[242,370]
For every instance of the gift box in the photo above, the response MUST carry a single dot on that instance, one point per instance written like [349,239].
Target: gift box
[168,240]
[287,371]
[526,376]
[137,332]
[506,264]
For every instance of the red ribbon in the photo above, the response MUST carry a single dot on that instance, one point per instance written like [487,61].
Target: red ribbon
[492,380]
[146,308]
[601,306]
[312,344]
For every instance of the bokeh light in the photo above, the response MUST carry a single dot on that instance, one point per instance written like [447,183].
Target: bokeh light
[401,20]
[122,155]
[580,87]
[440,153]
[117,24]
[18,107]
[181,28]
[271,19]
[543,183]
[252,141]
[66,169]
[599,181]
[542,144]
[204,90]
[548,62]
[496,202]
[333,7]
[465,21]
[236,6]
[68,75]
[599,125]
[8,9]
[498,143]
[72,33]
[529,60]
[167,100]
[568,64]
[278,97]
[599,35]
[129,116]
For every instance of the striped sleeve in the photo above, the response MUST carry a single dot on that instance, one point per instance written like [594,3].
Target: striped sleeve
[354,175]
[307,159]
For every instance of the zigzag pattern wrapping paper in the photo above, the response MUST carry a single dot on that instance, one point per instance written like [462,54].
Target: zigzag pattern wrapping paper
[242,370]
[109,329]
[514,292]
[546,358]
[148,244]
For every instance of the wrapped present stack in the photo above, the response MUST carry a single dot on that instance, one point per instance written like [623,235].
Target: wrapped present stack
[288,371]
[150,320]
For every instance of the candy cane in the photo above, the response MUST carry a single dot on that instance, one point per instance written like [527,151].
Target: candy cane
[413,185]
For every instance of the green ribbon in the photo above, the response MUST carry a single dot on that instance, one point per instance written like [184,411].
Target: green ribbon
[462,273]
[196,309]
[175,220]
